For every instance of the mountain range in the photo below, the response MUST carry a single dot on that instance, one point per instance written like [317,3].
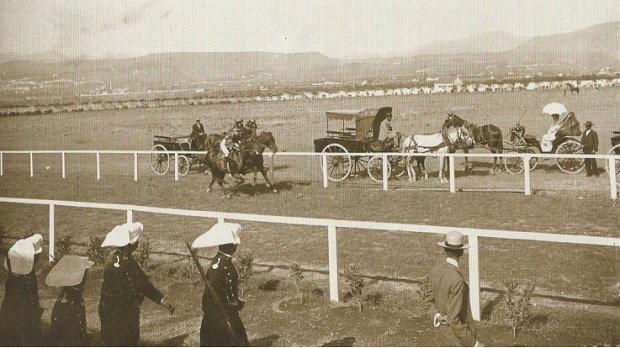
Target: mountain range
[591,48]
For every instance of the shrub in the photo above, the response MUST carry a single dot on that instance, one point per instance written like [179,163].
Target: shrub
[143,253]
[296,274]
[245,271]
[62,248]
[95,252]
[356,285]
[518,305]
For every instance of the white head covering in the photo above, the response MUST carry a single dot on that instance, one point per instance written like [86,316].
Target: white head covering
[37,241]
[69,271]
[21,256]
[220,234]
[122,235]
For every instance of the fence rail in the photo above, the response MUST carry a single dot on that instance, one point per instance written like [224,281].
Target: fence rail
[525,157]
[332,225]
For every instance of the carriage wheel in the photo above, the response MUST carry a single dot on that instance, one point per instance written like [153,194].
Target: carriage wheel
[533,160]
[375,168]
[514,165]
[160,162]
[570,165]
[398,165]
[338,167]
[360,165]
[183,165]
[616,151]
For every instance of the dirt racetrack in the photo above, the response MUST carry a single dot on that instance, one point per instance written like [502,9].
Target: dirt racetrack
[580,207]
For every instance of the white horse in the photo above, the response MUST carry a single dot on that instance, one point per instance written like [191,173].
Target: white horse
[433,143]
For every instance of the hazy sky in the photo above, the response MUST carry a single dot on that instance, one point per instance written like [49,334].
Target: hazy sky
[335,28]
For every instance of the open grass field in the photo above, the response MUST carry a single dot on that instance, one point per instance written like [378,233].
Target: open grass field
[588,274]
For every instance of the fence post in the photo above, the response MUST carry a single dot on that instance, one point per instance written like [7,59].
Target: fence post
[63,164]
[129,215]
[31,166]
[135,166]
[613,185]
[333,263]
[474,277]
[98,167]
[51,233]
[1,168]
[527,188]
[176,166]
[452,174]
[324,169]
[385,172]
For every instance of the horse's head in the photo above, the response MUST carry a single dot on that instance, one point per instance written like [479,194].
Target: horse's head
[251,124]
[461,137]
[267,139]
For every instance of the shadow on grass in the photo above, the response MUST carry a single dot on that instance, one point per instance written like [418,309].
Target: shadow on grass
[340,342]
[266,341]
[251,190]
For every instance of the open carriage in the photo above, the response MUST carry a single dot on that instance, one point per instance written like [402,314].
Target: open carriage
[615,150]
[566,141]
[357,131]
[160,161]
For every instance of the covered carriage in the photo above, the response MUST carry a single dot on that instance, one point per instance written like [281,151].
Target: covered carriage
[356,131]
[161,160]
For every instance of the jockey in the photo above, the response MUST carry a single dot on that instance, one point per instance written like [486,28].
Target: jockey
[197,130]
[230,142]
[251,126]
[387,135]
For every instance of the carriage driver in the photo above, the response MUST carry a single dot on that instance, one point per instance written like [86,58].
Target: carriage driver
[197,130]
[387,135]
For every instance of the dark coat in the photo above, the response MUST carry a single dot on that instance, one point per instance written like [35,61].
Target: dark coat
[20,314]
[590,141]
[124,287]
[69,319]
[213,332]
[448,293]
[197,129]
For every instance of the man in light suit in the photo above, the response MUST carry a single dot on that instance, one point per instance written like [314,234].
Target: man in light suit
[589,140]
[447,295]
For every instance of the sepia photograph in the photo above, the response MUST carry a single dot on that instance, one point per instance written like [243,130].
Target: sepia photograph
[312,173]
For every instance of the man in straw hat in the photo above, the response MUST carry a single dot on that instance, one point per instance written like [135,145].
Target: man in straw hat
[221,324]
[124,287]
[447,295]
[20,313]
[69,313]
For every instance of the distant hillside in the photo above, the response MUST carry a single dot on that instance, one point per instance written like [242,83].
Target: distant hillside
[492,42]
[592,42]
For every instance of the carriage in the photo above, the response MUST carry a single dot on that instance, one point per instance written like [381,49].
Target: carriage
[357,132]
[566,141]
[160,161]
[615,150]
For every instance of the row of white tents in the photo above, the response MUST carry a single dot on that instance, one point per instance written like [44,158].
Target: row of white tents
[447,88]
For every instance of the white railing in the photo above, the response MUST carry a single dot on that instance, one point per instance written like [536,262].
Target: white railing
[526,157]
[332,226]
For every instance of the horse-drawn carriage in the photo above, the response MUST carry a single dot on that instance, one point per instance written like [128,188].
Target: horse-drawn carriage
[358,134]
[566,141]
[160,161]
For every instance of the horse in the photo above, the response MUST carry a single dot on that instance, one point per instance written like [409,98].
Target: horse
[435,143]
[247,158]
[571,88]
[488,136]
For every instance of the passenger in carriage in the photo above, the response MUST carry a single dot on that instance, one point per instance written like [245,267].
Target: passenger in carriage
[387,135]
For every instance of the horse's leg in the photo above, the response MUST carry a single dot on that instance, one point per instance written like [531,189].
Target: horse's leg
[410,176]
[467,168]
[265,174]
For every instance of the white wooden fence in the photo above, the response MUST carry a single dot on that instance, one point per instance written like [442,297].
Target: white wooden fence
[527,187]
[332,226]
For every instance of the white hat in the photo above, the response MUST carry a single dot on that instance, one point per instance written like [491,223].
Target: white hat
[454,240]
[122,235]
[69,271]
[554,108]
[37,242]
[220,234]
[21,256]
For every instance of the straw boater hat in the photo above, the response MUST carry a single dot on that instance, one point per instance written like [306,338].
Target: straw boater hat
[69,271]
[122,235]
[454,241]
[37,241]
[220,234]
[21,257]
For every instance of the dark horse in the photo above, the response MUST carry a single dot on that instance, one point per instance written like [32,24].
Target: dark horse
[571,88]
[247,158]
[487,136]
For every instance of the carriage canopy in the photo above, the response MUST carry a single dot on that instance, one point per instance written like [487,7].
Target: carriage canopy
[569,126]
[364,119]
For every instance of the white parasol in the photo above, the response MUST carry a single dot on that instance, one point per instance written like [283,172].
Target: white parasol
[554,108]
